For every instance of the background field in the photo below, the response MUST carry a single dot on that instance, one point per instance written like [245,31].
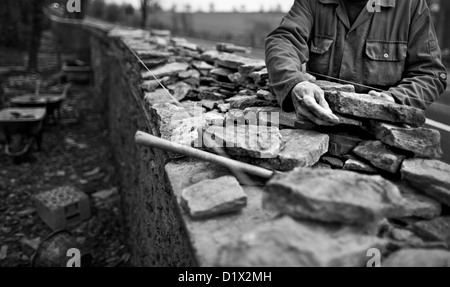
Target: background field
[247,29]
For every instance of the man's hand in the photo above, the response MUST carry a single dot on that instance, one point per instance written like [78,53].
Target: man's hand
[309,101]
[382,96]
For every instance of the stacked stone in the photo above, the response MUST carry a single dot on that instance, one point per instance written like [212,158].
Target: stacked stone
[333,209]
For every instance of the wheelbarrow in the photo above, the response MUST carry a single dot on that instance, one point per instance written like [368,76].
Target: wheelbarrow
[52,103]
[21,127]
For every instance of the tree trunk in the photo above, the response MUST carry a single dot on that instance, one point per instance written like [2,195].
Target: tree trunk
[35,37]
[144,10]
[10,23]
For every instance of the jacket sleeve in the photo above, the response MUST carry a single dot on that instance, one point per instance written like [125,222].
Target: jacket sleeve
[287,49]
[424,77]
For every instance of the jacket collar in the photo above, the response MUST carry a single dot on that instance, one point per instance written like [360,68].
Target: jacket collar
[383,3]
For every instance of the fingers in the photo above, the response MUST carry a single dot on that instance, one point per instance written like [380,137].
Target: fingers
[320,97]
[306,97]
[303,112]
[319,111]
[382,96]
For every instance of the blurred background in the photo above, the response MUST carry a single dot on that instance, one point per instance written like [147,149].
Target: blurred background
[243,23]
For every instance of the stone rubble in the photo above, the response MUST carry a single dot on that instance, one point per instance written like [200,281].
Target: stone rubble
[228,97]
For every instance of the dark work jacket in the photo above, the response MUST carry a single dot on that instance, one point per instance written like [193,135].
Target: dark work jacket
[395,50]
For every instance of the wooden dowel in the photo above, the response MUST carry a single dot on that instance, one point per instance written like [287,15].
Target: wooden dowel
[145,139]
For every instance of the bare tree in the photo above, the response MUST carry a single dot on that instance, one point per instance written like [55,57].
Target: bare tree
[35,37]
[11,23]
[144,10]
[146,7]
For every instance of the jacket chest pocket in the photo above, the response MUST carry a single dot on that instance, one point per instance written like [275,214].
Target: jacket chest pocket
[320,54]
[384,63]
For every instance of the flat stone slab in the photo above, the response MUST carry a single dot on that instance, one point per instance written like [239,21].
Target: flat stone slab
[221,72]
[214,119]
[430,176]
[286,243]
[252,66]
[334,87]
[212,197]
[343,139]
[274,116]
[259,76]
[379,155]
[418,258]
[159,96]
[368,107]
[333,196]
[202,66]
[435,230]
[166,70]
[149,54]
[334,162]
[233,61]
[417,204]
[189,74]
[243,102]
[180,90]
[422,142]
[168,117]
[359,166]
[245,141]
[152,85]
[185,131]
[206,236]
[301,149]
[210,95]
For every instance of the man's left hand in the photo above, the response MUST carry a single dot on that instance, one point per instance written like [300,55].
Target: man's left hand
[382,96]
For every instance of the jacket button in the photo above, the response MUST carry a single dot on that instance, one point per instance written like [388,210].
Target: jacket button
[386,55]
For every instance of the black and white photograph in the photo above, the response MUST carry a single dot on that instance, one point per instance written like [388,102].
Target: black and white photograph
[227,134]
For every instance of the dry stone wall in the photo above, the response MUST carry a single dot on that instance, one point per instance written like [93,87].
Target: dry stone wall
[374,181]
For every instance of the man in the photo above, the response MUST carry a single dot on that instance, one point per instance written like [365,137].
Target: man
[390,45]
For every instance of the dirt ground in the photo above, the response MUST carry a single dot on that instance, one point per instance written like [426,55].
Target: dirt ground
[74,152]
